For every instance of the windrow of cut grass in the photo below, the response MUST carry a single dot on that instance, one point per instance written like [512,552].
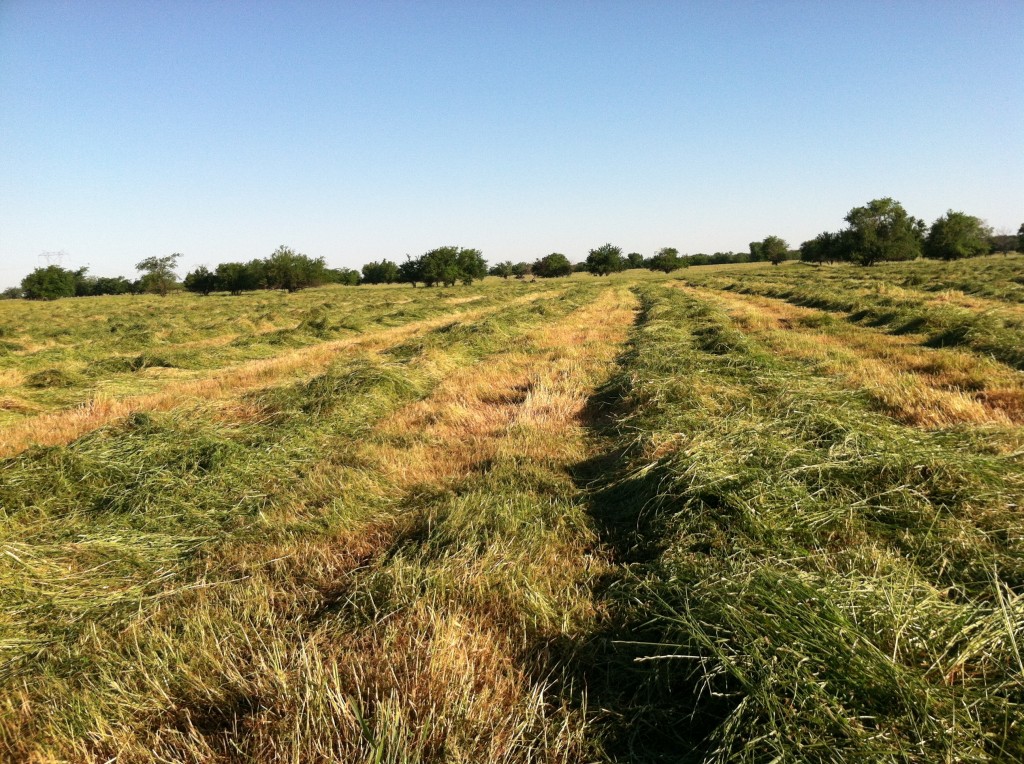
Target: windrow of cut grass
[931,387]
[995,329]
[64,425]
[68,352]
[802,578]
[258,579]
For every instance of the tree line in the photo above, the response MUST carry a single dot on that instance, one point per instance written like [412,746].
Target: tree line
[880,230]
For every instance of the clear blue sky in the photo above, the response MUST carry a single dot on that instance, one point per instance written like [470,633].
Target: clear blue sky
[364,130]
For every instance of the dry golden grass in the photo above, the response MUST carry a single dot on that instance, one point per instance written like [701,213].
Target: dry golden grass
[914,384]
[468,418]
[68,424]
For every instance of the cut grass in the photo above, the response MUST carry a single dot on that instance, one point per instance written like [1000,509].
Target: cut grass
[252,585]
[429,533]
[812,576]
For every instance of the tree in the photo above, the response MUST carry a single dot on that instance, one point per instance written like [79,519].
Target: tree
[504,269]
[956,235]
[756,255]
[882,230]
[774,249]
[287,269]
[384,272]
[11,293]
[112,285]
[158,274]
[553,265]
[634,260]
[666,260]
[241,277]
[201,281]
[522,270]
[49,283]
[343,276]
[448,265]
[1020,238]
[410,271]
[605,259]
[471,265]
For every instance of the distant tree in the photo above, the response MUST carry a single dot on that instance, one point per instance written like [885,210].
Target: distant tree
[49,283]
[201,281]
[85,285]
[756,255]
[112,285]
[634,260]
[581,267]
[1002,242]
[503,269]
[384,272]
[410,271]
[1020,238]
[882,230]
[522,270]
[449,265]
[605,259]
[666,260]
[774,249]
[343,276]
[471,265]
[240,277]
[287,269]
[158,274]
[11,293]
[553,265]
[826,247]
[956,235]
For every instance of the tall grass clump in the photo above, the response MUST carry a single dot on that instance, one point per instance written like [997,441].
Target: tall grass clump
[803,579]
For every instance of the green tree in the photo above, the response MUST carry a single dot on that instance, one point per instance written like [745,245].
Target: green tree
[756,255]
[449,265]
[410,271]
[112,285]
[882,230]
[522,270]
[287,269]
[384,272]
[956,235]
[201,281]
[666,260]
[551,266]
[343,276]
[471,265]
[504,269]
[774,249]
[1020,238]
[240,277]
[634,260]
[158,274]
[605,259]
[49,283]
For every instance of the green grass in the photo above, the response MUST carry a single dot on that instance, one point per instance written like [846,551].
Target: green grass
[831,584]
[427,549]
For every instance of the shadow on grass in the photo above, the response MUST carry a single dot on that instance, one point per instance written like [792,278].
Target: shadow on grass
[644,706]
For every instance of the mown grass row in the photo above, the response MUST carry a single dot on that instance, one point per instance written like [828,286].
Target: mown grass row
[180,587]
[60,353]
[930,387]
[994,332]
[803,579]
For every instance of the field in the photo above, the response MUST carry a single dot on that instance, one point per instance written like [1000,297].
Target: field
[735,513]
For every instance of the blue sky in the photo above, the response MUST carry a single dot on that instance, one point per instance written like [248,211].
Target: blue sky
[357,131]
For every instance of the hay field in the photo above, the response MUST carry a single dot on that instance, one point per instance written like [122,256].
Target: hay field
[729,514]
